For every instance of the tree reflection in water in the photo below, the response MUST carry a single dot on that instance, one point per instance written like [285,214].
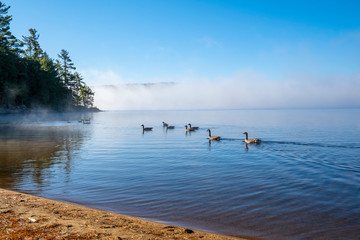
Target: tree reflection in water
[32,154]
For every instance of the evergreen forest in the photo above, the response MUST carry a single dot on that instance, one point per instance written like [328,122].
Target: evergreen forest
[30,79]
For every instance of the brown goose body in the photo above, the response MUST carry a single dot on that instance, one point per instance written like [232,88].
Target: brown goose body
[213,138]
[188,129]
[253,140]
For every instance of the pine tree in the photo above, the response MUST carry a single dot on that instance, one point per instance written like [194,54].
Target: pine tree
[86,96]
[83,95]
[54,84]
[33,49]
[65,67]
[7,41]
[9,61]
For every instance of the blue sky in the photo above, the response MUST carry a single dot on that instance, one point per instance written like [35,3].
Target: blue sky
[136,41]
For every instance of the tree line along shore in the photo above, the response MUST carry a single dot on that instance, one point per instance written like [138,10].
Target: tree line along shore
[30,79]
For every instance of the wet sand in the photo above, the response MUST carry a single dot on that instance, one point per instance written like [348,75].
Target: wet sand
[23,216]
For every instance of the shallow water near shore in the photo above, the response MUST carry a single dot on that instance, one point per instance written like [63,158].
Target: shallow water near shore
[301,182]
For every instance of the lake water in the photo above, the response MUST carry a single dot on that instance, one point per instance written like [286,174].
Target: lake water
[301,182]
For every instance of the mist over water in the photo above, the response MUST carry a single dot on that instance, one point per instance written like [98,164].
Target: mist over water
[229,93]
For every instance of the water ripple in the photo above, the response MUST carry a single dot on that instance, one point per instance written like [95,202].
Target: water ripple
[305,186]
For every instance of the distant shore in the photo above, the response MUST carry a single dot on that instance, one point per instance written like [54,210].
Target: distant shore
[10,109]
[27,216]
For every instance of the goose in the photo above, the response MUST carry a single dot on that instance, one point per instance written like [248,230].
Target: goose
[188,129]
[216,138]
[146,129]
[254,140]
[195,128]
[167,126]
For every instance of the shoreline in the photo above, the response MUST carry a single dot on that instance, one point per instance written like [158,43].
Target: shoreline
[24,215]
[25,110]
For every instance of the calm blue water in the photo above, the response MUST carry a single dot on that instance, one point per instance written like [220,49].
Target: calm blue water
[301,182]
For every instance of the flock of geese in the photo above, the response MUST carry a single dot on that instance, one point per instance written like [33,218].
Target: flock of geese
[189,128]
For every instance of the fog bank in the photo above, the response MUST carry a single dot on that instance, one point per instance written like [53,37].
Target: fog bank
[237,92]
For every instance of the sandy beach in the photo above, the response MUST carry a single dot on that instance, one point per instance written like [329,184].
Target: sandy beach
[23,216]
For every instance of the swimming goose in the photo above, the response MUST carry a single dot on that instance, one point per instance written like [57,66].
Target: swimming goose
[146,129]
[195,128]
[254,140]
[188,129]
[216,138]
[165,125]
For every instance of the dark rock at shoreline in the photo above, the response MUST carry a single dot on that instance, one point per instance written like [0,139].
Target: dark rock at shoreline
[86,109]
